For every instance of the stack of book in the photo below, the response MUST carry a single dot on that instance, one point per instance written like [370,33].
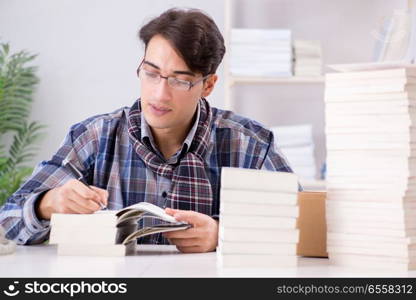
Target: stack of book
[108,232]
[308,58]
[258,219]
[295,142]
[371,167]
[261,52]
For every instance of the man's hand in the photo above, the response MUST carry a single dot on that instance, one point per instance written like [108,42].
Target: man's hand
[202,237]
[71,198]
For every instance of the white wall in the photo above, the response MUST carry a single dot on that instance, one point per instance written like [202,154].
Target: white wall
[89,51]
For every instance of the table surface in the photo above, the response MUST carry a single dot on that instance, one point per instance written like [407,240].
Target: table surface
[160,261]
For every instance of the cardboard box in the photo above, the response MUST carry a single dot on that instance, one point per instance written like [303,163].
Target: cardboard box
[312,224]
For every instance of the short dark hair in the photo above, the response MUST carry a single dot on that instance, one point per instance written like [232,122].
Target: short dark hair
[193,34]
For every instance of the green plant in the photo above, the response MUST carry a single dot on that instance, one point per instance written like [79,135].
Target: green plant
[17,85]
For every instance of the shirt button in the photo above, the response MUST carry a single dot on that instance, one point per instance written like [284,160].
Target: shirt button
[164,194]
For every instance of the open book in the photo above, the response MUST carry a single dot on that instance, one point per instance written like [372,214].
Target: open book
[109,232]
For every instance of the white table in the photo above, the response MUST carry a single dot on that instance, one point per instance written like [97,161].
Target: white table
[159,261]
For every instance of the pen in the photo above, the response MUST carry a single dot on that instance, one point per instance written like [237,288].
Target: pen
[79,176]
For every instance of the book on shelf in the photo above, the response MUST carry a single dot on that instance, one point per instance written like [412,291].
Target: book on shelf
[296,144]
[273,48]
[109,232]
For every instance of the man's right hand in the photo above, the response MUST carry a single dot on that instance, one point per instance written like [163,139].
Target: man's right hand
[71,198]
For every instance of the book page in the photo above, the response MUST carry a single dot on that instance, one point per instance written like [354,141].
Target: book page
[155,229]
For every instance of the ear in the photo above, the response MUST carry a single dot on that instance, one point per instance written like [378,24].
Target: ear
[209,85]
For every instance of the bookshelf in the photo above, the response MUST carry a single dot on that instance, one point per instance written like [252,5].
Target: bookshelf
[231,81]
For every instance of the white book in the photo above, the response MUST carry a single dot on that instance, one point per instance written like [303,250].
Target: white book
[370,138]
[229,234]
[261,180]
[254,34]
[375,232]
[261,73]
[394,252]
[399,157]
[368,82]
[256,248]
[370,196]
[367,206]
[366,238]
[370,120]
[293,135]
[372,262]
[402,132]
[105,235]
[375,70]
[387,107]
[371,66]
[258,197]
[396,216]
[256,261]
[257,222]
[399,97]
[254,209]
[380,224]
[372,89]
[369,172]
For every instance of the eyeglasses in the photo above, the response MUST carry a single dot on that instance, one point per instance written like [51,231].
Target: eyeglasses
[173,82]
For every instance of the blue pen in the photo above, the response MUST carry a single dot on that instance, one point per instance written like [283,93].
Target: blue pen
[79,176]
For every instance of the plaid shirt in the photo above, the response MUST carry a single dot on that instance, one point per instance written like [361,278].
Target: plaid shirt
[100,147]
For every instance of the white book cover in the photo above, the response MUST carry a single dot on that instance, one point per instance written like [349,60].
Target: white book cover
[371,66]
[261,180]
[372,262]
[103,235]
[256,222]
[370,89]
[402,253]
[374,232]
[257,197]
[248,235]
[293,135]
[368,238]
[380,224]
[255,209]
[398,97]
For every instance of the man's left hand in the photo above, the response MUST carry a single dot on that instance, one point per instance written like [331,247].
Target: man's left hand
[202,237]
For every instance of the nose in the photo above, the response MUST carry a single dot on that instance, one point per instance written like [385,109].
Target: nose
[162,91]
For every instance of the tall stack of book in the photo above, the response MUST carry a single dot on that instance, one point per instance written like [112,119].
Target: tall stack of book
[258,219]
[296,144]
[371,168]
[308,58]
[261,52]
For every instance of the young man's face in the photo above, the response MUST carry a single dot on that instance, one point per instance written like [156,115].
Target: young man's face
[163,106]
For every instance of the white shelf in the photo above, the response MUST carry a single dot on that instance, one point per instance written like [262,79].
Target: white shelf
[275,80]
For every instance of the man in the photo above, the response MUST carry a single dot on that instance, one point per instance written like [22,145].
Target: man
[167,149]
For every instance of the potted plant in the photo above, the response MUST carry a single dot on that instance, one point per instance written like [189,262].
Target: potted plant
[18,136]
